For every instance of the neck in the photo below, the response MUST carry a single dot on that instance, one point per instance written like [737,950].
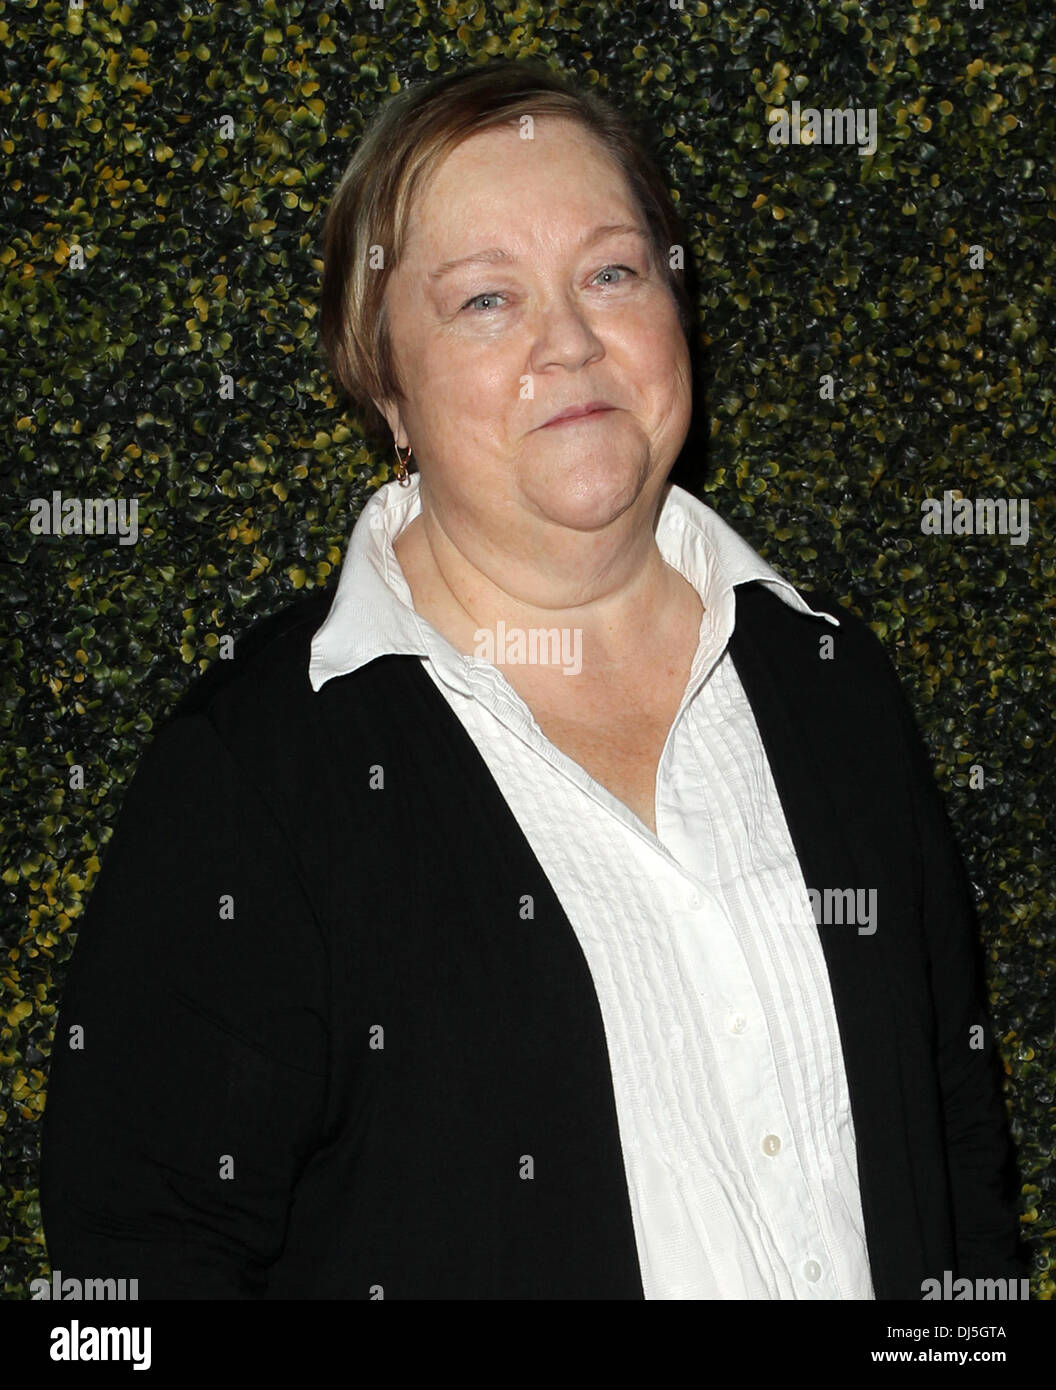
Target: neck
[613,585]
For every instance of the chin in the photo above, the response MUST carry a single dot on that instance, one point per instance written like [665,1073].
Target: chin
[585,493]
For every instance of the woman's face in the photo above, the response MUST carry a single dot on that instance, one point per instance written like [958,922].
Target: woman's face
[558,309]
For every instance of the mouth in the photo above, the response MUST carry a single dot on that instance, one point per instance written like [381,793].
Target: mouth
[577,413]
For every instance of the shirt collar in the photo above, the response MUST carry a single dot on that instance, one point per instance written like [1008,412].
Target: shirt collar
[373,615]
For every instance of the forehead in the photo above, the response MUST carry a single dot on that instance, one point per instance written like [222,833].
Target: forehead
[496,178]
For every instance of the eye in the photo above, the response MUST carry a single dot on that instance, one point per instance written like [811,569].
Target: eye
[494,294]
[608,269]
[486,294]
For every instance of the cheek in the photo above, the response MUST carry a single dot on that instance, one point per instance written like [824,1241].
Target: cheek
[658,364]
[665,333]
[652,331]
[474,381]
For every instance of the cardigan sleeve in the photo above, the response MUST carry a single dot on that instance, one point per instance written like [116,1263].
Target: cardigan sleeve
[981,1162]
[188,1073]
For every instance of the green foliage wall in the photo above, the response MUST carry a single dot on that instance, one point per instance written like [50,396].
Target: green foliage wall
[166,168]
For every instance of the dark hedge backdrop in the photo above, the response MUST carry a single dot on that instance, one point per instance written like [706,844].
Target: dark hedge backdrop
[166,168]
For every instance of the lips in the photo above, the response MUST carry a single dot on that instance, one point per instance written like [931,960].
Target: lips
[578,412]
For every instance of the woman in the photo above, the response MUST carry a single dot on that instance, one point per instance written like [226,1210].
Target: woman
[586,924]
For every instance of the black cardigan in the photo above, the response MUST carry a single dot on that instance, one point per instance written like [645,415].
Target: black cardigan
[319,1037]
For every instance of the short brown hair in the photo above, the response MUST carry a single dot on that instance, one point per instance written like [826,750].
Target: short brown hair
[409,136]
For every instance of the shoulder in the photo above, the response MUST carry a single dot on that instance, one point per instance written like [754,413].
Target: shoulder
[229,728]
[838,681]
[250,716]
[261,708]
[763,615]
[270,656]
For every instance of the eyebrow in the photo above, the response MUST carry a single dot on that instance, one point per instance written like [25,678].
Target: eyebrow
[495,255]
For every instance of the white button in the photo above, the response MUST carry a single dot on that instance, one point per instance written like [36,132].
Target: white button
[738,1023]
[694,901]
[812,1271]
[771,1144]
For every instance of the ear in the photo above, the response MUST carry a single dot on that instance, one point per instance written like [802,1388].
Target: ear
[391,412]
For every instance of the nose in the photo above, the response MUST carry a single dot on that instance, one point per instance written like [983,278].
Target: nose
[564,336]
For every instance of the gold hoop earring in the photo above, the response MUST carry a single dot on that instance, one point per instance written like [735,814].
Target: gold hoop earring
[401,466]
